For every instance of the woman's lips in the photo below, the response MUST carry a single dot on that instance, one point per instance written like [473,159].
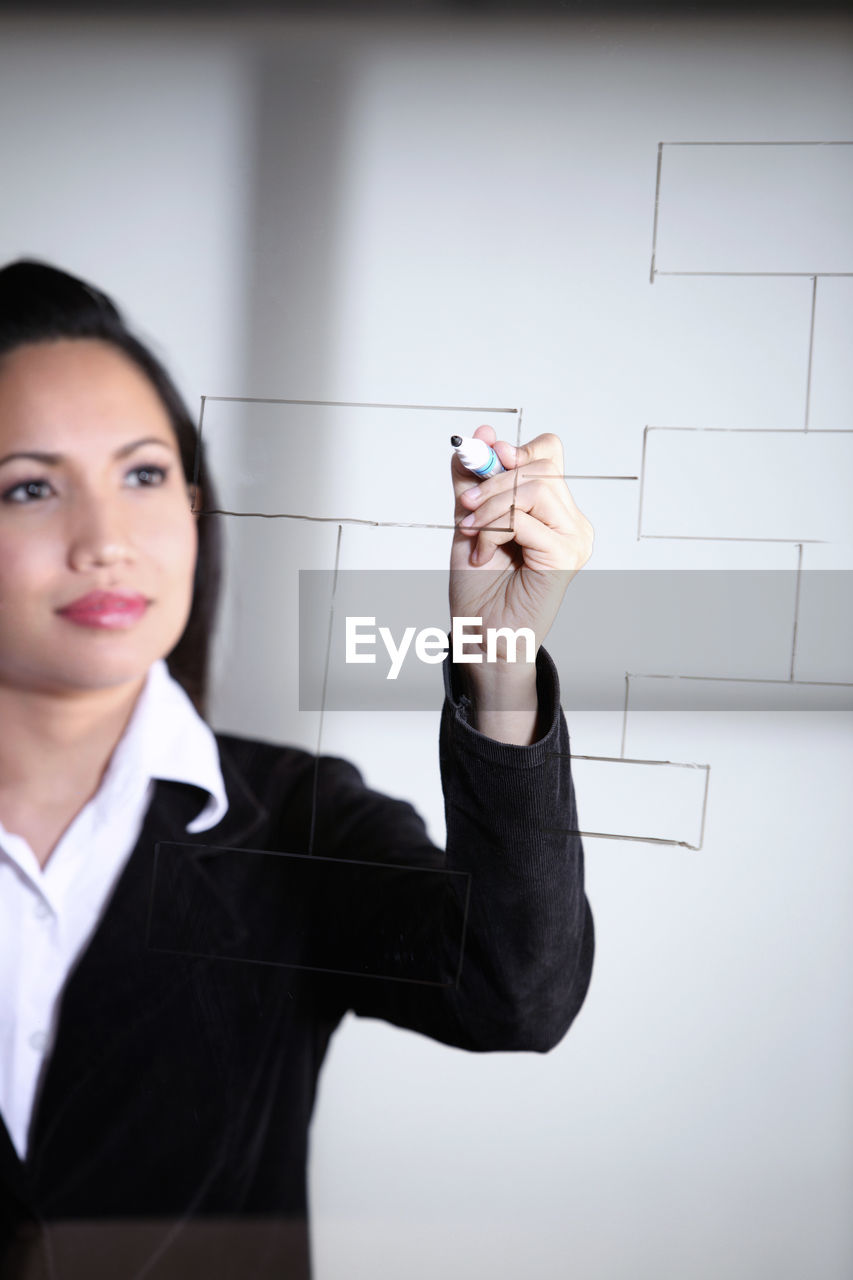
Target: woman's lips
[110,610]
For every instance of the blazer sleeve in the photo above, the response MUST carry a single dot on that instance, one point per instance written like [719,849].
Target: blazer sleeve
[507,938]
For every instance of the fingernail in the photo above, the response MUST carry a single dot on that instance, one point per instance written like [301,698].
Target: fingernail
[473,495]
[469,520]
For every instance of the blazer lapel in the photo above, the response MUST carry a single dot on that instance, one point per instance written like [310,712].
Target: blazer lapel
[114,987]
[14,1186]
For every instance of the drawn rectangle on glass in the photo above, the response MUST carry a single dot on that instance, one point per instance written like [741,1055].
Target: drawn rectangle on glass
[729,351]
[300,911]
[755,208]
[747,484]
[378,464]
[658,801]
[831,393]
[678,693]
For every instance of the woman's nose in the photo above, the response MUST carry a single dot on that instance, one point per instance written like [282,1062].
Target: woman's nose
[98,537]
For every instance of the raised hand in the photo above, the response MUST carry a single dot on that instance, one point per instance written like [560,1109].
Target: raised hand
[519,541]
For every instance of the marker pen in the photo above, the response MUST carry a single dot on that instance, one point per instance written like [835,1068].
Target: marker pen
[477,456]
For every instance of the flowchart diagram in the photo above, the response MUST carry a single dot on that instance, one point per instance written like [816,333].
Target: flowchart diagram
[735,484]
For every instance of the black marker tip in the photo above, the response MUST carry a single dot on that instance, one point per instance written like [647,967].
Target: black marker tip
[456,441]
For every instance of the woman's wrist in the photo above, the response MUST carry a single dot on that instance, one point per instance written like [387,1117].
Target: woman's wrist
[504,701]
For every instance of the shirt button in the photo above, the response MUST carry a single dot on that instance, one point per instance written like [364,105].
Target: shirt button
[38,1039]
[41,910]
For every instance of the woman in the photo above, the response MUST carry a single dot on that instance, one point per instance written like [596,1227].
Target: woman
[171,980]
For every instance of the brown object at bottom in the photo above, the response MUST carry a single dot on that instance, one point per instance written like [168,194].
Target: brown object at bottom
[265,1248]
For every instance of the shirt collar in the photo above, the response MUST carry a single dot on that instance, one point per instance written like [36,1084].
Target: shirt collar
[167,738]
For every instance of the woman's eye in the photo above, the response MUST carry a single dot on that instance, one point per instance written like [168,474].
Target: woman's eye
[147,476]
[23,492]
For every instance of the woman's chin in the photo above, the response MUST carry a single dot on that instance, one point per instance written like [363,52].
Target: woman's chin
[76,673]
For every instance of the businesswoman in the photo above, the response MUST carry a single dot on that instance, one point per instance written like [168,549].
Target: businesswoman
[171,980]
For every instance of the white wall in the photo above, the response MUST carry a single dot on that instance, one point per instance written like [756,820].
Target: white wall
[462,214]
[125,156]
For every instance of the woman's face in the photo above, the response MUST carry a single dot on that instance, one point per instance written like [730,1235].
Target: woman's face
[105,509]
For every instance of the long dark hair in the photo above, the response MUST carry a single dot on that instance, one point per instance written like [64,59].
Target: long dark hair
[39,303]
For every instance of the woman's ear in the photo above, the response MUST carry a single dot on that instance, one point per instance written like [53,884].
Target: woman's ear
[194,492]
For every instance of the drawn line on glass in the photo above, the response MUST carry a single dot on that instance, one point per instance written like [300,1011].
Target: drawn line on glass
[782,274]
[761,431]
[669,675]
[796,607]
[358,404]
[828,142]
[673,764]
[657,208]
[373,524]
[316,779]
[307,968]
[609,835]
[646,430]
[811,353]
[708,537]
[575,475]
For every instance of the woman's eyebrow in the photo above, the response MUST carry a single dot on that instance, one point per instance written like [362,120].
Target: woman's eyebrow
[54,459]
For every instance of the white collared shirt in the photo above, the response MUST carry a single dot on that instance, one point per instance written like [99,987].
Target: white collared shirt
[48,916]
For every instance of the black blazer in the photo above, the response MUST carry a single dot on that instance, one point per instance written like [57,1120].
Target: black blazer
[170,1132]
